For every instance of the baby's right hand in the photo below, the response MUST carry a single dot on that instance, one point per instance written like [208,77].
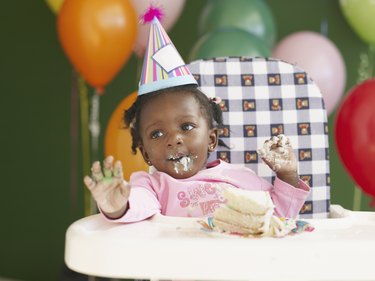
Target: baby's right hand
[108,187]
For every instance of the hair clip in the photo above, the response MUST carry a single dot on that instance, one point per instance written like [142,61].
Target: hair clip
[216,100]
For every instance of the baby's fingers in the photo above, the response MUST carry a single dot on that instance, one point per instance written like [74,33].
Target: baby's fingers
[117,171]
[90,184]
[272,164]
[96,171]
[108,166]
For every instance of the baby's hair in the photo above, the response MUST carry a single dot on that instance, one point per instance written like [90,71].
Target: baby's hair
[209,108]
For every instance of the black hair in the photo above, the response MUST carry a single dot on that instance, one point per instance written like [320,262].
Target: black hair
[210,109]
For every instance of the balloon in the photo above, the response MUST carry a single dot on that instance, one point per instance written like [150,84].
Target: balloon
[229,42]
[118,140]
[171,10]
[320,58]
[253,16]
[355,135]
[97,37]
[55,5]
[360,15]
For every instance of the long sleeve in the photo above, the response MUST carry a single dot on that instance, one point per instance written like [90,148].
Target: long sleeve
[287,199]
[143,201]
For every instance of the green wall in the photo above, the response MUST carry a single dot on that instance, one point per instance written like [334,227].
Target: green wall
[40,192]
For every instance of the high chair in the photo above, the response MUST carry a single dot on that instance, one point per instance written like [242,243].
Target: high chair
[260,98]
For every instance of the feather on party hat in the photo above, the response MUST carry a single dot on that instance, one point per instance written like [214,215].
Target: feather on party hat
[163,66]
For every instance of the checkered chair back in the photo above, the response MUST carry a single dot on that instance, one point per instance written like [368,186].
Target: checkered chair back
[263,97]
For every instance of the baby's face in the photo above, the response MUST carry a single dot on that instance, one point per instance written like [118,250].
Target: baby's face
[175,135]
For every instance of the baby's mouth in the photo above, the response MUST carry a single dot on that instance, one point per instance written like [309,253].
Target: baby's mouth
[175,157]
[182,163]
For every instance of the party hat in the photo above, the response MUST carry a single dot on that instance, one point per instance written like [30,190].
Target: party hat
[163,66]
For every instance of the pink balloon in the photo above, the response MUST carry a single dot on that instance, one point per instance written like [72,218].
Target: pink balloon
[171,10]
[320,58]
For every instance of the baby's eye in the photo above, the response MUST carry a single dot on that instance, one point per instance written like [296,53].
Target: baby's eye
[187,127]
[156,134]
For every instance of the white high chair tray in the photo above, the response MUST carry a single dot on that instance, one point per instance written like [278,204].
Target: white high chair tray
[340,248]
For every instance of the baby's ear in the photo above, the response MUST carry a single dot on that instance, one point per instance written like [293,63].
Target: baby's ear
[213,138]
[144,155]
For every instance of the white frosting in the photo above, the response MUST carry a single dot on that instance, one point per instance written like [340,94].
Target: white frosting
[184,164]
[276,151]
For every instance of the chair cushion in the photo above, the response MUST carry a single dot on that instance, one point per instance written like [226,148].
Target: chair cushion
[263,97]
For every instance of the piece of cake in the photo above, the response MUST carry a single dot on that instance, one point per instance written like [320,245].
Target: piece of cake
[245,212]
[250,213]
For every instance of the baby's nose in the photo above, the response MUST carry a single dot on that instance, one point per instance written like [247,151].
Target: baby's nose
[175,139]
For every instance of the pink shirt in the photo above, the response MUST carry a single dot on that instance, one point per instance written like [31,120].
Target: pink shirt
[199,195]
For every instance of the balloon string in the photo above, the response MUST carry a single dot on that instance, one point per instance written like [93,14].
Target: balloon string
[74,112]
[363,68]
[95,125]
[324,21]
[94,128]
[371,61]
[357,198]
[85,141]
[324,27]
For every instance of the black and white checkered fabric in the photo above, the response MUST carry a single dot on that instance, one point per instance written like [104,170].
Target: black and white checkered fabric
[266,97]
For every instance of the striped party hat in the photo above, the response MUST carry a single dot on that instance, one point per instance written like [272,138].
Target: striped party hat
[163,66]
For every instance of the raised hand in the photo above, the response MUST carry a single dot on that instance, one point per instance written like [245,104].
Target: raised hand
[278,154]
[108,187]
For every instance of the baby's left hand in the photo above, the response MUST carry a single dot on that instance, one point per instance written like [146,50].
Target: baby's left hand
[278,154]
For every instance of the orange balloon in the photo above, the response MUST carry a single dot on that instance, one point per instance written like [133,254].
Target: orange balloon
[118,140]
[97,36]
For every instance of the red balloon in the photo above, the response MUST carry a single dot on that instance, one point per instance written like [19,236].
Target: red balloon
[355,135]
[98,37]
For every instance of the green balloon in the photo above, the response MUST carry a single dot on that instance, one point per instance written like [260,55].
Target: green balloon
[229,42]
[360,15]
[254,16]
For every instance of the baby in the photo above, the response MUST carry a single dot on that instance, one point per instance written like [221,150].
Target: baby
[175,129]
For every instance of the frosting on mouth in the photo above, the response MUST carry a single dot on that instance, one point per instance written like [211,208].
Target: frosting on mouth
[182,163]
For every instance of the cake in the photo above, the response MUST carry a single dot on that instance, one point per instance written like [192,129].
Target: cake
[245,212]
[249,213]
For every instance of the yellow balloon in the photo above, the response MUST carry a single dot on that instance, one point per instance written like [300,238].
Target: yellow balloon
[118,140]
[55,5]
